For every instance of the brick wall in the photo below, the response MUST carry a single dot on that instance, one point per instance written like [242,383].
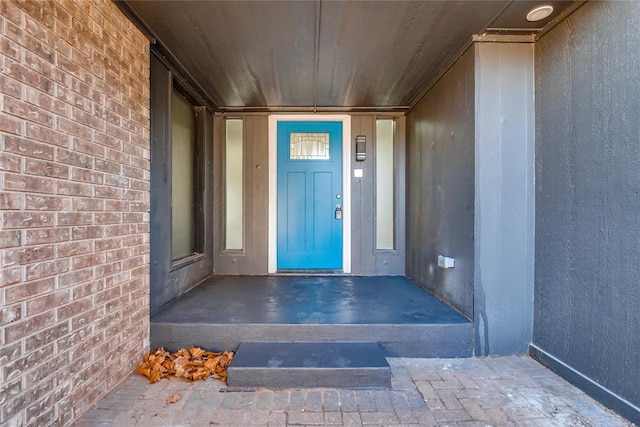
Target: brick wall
[74,206]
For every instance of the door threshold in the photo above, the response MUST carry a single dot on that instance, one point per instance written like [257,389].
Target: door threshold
[308,273]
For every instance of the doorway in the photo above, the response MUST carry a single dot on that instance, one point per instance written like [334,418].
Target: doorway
[309,226]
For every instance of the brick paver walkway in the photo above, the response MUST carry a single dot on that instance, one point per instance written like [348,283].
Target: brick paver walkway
[501,391]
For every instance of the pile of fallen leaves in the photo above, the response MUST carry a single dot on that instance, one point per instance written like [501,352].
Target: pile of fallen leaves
[194,364]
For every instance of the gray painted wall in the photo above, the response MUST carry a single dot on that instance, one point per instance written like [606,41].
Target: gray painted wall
[365,259]
[170,279]
[252,259]
[587,258]
[440,186]
[504,197]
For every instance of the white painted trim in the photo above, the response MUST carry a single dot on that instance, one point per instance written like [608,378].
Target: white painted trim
[273,180]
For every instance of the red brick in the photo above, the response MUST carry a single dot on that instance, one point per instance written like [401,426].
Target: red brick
[87,175]
[28,326]
[74,94]
[37,12]
[10,276]
[10,162]
[9,239]
[74,188]
[28,76]
[88,260]
[108,218]
[118,157]
[73,158]
[13,257]
[43,66]
[74,248]
[45,101]
[108,244]
[132,217]
[50,136]
[76,307]
[10,314]
[10,201]
[10,124]
[107,295]
[24,291]
[27,219]
[116,205]
[88,232]
[28,148]
[140,207]
[105,270]
[107,115]
[45,203]
[28,183]
[74,218]
[88,204]
[133,262]
[45,269]
[10,12]
[87,289]
[108,192]
[49,169]
[73,128]
[27,111]
[73,98]
[109,167]
[30,43]
[51,235]
[116,181]
[46,302]
[75,278]
[8,85]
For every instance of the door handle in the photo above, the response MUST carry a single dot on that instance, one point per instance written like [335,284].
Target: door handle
[338,212]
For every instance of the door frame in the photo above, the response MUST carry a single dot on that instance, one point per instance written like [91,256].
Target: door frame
[273,182]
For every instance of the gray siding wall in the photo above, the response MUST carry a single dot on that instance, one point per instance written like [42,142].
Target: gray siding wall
[169,279]
[365,259]
[252,259]
[587,268]
[440,186]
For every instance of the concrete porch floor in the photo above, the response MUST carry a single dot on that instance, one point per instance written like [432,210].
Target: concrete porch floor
[500,391]
[224,311]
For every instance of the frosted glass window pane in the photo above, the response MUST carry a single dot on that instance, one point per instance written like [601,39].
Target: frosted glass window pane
[182,177]
[233,182]
[309,146]
[384,184]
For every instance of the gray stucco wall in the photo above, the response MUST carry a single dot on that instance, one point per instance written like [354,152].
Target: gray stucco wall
[587,256]
[440,186]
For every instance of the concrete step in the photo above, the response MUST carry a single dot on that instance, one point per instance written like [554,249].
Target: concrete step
[397,340]
[309,364]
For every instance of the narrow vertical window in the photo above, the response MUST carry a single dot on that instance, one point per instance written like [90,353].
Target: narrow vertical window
[233,185]
[385,197]
[183,157]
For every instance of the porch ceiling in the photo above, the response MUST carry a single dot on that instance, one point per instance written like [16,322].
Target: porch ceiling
[300,55]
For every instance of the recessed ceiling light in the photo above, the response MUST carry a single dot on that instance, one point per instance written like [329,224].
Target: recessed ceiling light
[539,13]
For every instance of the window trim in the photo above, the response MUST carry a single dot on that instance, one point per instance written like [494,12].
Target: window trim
[198,179]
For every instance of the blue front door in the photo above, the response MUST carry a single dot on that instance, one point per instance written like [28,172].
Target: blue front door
[309,195]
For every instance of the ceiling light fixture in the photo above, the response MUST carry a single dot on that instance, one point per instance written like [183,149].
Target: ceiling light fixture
[539,13]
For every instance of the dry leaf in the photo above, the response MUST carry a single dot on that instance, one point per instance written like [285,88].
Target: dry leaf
[173,399]
[193,365]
